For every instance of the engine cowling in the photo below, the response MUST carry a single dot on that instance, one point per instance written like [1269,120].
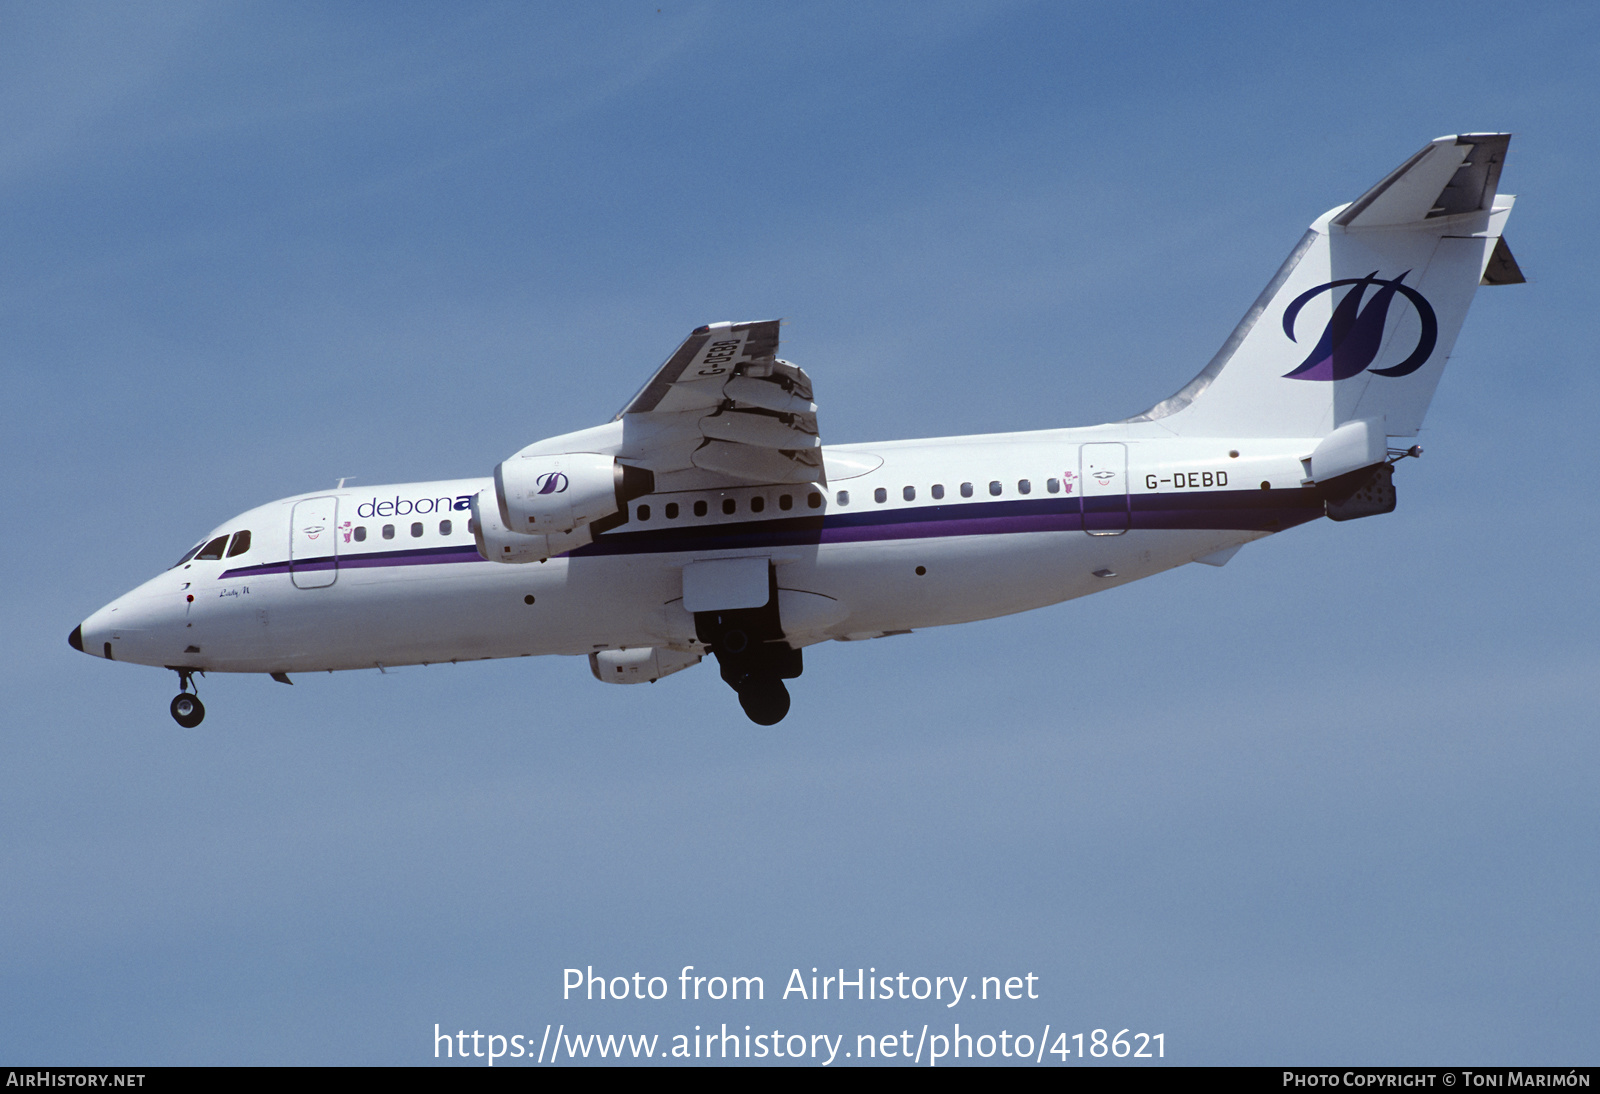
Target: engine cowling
[498,544]
[639,666]
[544,494]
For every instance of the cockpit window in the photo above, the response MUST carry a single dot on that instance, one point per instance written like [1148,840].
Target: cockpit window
[212,550]
[241,544]
[187,555]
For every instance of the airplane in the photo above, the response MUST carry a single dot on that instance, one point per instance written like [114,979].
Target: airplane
[708,518]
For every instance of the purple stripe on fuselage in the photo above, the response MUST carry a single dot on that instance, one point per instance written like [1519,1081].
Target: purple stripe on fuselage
[955,526]
[421,556]
[1214,510]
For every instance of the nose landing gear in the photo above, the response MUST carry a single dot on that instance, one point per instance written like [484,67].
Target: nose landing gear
[187,710]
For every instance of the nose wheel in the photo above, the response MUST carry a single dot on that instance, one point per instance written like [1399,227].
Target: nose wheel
[187,709]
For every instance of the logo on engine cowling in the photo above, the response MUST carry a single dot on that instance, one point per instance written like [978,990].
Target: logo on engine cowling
[551,482]
[1354,335]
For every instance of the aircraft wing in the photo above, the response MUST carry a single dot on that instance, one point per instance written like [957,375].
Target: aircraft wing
[726,406]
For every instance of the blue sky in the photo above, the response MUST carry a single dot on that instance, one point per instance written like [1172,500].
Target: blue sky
[1333,803]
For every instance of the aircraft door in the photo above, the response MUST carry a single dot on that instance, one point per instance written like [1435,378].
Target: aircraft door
[313,544]
[1103,474]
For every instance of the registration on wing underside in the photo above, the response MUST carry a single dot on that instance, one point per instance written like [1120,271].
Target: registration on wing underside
[726,404]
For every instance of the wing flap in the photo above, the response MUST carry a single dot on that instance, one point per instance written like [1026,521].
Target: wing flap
[749,464]
[725,404]
[764,430]
[765,395]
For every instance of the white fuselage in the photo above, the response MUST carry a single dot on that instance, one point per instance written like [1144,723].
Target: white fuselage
[967,528]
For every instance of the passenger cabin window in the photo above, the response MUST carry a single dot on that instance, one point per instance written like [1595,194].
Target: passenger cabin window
[909,493]
[644,512]
[880,495]
[444,528]
[995,488]
[966,490]
[241,544]
[729,505]
[1053,485]
[844,497]
[672,510]
[813,500]
[361,533]
[1024,486]
[757,504]
[388,531]
[212,550]
[938,491]
[785,502]
[699,508]
[416,530]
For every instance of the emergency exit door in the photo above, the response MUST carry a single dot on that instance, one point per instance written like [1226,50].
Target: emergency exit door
[1103,473]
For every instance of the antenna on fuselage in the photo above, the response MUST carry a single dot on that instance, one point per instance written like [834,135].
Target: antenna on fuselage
[343,480]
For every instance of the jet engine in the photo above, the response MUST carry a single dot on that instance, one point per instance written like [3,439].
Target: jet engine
[495,542]
[542,494]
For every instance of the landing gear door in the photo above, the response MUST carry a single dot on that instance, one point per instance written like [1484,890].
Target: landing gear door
[725,584]
[313,544]
[1103,471]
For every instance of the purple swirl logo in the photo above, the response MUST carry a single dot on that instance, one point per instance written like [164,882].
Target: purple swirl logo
[1352,338]
[552,482]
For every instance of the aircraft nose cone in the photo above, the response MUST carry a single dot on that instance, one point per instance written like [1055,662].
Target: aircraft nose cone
[75,639]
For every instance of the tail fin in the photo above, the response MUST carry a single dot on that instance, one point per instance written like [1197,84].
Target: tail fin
[1359,321]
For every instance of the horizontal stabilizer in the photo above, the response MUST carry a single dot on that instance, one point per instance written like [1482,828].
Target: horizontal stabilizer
[1450,176]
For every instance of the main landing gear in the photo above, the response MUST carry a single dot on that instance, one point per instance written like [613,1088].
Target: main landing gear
[764,698]
[187,710]
[752,655]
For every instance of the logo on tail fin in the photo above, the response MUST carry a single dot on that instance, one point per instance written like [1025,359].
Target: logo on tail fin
[1352,338]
